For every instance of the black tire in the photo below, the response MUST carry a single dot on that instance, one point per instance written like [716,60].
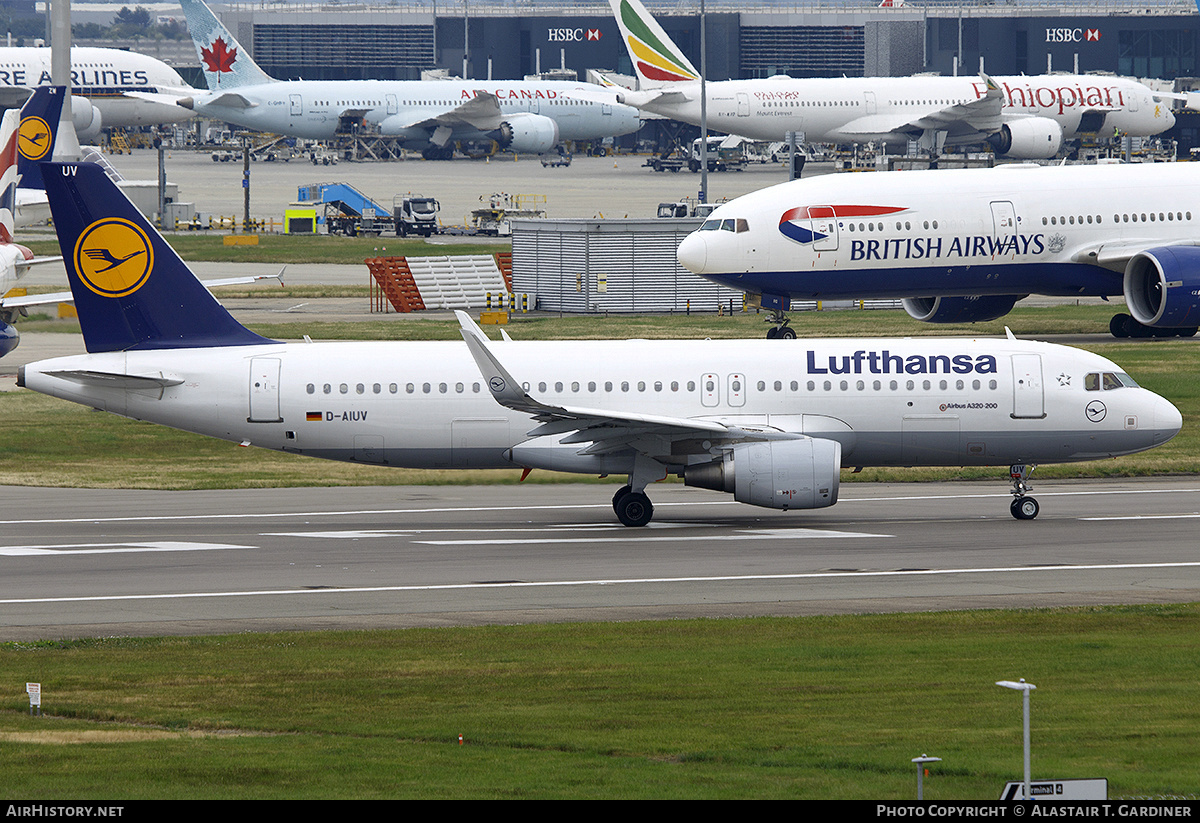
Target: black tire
[634,509]
[1024,508]
[624,490]
[772,333]
[1121,325]
[786,333]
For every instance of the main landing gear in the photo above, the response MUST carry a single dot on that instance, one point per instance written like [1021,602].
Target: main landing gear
[1123,325]
[1023,507]
[632,508]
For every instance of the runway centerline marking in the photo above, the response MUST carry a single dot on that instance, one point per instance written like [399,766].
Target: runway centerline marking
[741,578]
[760,534]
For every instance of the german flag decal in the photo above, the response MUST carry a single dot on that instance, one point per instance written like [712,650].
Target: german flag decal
[313,417]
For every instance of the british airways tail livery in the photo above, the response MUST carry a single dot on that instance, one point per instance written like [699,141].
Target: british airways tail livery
[521,115]
[770,423]
[964,245]
[1021,117]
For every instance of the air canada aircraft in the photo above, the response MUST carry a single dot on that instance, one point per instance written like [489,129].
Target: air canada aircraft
[1021,117]
[964,245]
[522,115]
[770,423]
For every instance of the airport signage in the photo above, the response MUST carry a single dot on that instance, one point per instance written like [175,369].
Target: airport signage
[1095,789]
[579,35]
[1076,35]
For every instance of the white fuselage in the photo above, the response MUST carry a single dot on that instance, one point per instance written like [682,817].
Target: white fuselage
[1011,230]
[103,76]
[314,109]
[888,402]
[865,109]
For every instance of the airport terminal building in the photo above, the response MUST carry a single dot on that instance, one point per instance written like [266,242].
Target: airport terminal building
[821,38]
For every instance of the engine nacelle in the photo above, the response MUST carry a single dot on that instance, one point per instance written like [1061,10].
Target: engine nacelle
[1162,287]
[1029,138]
[778,474]
[86,118]
[526,132]
[960,309]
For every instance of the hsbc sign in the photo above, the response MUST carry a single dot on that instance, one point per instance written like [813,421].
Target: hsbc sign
[1072,35]
[572,35]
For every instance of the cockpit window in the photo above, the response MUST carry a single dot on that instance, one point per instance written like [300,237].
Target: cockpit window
[727,225]
[1108,381]
[742,225]
[711,225]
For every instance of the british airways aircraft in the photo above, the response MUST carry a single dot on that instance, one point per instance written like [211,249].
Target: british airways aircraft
[1021,117]
[770,423]
[522,115]
[102,81]
[964,245]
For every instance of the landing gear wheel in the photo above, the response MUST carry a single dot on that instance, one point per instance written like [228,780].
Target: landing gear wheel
[1121,325]
[772,333]
[633,509]
[621,492]
[1024,508]
[786,333]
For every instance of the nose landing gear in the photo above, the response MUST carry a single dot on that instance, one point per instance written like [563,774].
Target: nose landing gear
[1023,507]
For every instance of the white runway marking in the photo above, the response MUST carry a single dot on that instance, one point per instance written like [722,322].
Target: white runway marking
[609,582]
[113,548]
[762,534]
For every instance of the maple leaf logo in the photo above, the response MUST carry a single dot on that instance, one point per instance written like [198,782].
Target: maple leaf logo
[219,58]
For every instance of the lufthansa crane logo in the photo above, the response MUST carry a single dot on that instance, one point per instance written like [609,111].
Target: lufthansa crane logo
[113,257]
[33,138]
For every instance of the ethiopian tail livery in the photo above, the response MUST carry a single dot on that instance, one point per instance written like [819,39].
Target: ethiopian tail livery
[521,115]
[964,245]
[770,423]
[1021,117]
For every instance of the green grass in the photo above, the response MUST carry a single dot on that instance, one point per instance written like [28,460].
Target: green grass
[274,248]
[62,444]
[826,707]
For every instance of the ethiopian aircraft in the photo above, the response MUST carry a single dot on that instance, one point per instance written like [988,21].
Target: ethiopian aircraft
[964,245]
[1021,117]
[521,115]
[102,81]
[770,423]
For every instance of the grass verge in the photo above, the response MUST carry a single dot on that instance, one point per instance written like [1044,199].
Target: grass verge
[827,707]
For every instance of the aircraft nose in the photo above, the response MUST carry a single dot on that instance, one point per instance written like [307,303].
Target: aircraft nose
[693,252]
[1167,420]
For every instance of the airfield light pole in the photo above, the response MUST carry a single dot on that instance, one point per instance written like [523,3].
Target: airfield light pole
[703,110]
[921,761]
[1025,688]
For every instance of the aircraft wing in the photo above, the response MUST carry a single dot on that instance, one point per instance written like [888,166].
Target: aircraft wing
[227,99]
[982,115]
[481,112]
[607,430]
[1115,256]
[51,298]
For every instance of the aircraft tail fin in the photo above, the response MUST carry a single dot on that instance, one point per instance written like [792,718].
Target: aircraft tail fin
[38,133]
[10,125]
[225,62]
[656,60]
[131,290]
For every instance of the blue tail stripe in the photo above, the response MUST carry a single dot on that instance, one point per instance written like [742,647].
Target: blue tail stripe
[131,290]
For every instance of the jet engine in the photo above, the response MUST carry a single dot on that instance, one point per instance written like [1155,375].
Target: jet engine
[87,119]
[960,309]
[526,132]
[10,255]
[1029,138]
[1162,287]
[778,474]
